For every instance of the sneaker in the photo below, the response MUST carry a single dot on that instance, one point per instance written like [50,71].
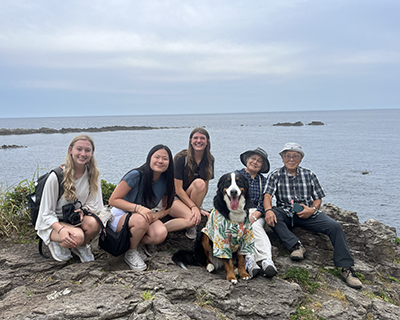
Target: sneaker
[268,268]
[134,261]
[299,252]
[349,276]
[59,253]
[191,233]
[252,267]
[84,253]
[150,249]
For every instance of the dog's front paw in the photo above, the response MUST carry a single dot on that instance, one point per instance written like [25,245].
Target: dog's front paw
[234,281]
[210,267]
[246,278]
[244,275]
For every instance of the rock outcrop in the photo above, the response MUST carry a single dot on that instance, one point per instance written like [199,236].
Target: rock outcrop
[289,124]
[44,130]
[32,287]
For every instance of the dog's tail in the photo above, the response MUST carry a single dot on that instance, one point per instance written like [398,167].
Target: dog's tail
[183,258]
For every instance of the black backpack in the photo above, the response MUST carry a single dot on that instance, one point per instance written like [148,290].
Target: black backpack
[35,198]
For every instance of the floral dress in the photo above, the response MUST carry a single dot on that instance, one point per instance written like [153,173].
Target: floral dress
[229,237]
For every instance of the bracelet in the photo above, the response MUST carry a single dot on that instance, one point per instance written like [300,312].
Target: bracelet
[134,210]
[268,210]
[192,207]
[60,229]
[255,219]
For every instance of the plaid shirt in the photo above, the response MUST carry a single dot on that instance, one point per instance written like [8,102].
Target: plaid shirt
[303,188]
[255,190]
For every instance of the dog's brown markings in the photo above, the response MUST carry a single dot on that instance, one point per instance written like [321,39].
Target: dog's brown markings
[229,269]
[205,241]
[242,267]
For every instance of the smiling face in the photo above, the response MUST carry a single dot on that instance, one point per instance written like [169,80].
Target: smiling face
[159,161]
[291,159]
[81,152]
[254,164]
[198,141]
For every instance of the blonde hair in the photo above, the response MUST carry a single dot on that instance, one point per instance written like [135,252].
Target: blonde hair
[69,171]
[209,159]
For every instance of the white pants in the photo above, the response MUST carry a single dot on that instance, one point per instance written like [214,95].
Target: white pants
[261,241]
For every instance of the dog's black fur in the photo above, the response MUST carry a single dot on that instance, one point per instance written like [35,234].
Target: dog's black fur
[231,187]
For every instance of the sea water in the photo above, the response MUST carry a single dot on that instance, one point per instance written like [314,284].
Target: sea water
[355,154]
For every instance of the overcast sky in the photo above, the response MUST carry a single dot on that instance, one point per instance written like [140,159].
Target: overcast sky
[123,57]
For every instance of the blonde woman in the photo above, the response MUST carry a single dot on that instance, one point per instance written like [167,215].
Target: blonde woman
[194,168]
[82,189]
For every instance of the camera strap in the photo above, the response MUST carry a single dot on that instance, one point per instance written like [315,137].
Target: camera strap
[100,223]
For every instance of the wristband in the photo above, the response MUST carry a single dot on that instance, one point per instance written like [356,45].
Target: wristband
[269,210]
[60,229]
[192,207]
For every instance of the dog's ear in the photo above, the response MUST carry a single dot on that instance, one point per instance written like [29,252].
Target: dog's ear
[219,203]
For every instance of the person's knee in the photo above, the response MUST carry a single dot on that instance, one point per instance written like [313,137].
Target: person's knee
[160,235]
[138,222]
[199,185]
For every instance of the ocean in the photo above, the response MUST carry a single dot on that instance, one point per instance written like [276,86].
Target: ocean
[340,152]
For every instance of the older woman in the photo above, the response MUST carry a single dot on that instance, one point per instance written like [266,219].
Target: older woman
[256,162]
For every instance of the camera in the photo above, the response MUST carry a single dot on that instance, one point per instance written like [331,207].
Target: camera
[297,208]
[70,215]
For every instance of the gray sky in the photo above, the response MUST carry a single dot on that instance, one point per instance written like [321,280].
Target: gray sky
[80,58]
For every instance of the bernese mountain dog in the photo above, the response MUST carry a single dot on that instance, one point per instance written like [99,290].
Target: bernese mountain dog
[228,235]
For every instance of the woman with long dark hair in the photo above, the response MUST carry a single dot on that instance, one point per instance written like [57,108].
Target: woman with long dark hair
[147,192]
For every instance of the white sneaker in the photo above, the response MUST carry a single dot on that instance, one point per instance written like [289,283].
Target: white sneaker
[134,261]
[252,267]
[84,253]
[59,253]
[268,268]
[191,233]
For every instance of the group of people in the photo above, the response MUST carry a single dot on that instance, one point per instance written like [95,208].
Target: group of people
[177,186]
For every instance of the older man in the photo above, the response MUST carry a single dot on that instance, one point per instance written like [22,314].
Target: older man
[298,196]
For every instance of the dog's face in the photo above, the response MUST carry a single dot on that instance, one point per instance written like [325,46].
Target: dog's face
[233,197]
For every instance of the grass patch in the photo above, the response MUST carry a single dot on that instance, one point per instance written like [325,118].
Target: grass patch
[146,295]
[302,277]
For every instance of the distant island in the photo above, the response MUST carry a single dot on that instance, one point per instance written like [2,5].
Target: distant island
[11,146]
[298,124]
[44,130]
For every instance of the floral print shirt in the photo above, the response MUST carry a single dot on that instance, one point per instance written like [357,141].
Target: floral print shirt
[229,237]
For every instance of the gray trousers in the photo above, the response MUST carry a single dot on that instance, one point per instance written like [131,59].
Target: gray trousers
[322,224]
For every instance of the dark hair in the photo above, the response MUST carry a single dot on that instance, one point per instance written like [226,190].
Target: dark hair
[149,197]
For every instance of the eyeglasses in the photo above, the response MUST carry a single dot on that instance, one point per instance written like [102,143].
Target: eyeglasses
[258,160]
[296,157]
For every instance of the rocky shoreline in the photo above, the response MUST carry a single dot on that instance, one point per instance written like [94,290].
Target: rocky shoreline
[32,287]
[45,130]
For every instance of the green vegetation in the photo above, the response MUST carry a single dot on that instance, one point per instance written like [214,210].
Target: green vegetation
[302,277]
[14,214]
[146,295]
[107,189]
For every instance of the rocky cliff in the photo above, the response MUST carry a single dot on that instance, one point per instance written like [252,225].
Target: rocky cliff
[32,287]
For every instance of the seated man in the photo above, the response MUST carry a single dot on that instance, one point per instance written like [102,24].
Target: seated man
[256,162]
[298,196]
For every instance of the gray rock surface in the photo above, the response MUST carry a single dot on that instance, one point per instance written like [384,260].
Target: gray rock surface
[32,287]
